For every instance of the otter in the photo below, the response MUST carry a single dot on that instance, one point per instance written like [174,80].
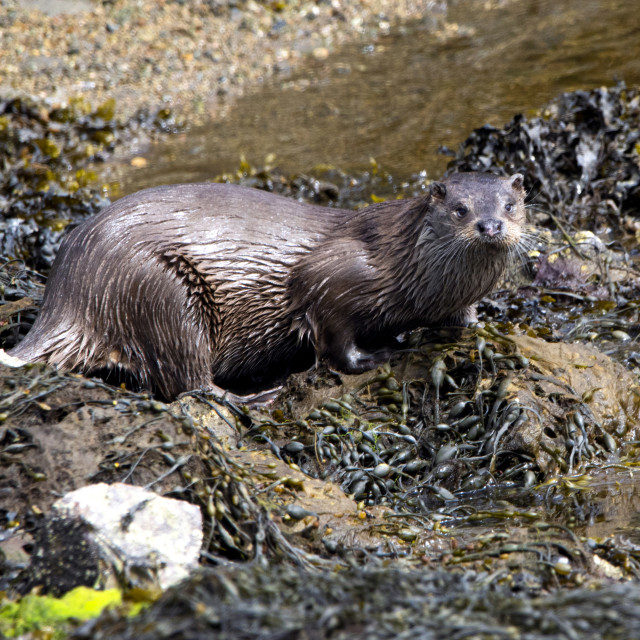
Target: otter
[220,286]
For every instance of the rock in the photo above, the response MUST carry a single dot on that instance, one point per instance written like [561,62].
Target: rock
[570,381]
[137,530]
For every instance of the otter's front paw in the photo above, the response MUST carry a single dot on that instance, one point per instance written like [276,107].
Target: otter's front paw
[356,360]
[462,318]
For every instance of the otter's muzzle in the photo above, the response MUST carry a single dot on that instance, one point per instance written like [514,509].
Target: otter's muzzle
[490,228]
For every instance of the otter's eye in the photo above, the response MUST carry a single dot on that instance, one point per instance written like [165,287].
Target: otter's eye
[508,207]
[461,211]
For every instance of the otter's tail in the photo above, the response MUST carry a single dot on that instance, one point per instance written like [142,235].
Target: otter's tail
[58,343]
[11,361]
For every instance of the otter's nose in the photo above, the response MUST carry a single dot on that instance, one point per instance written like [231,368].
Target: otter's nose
[490,227]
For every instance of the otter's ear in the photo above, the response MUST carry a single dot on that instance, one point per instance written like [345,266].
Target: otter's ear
[517,181]
[438,190]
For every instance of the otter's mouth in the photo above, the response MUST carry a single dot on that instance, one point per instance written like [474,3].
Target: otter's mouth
[502,239]
[496,245]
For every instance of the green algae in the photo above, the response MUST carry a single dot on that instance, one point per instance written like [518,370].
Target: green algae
[35,612]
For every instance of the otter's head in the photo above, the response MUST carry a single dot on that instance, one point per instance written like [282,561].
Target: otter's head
[484,211]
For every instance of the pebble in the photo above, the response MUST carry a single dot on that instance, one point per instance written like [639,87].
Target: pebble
[146,53]
[320,53]
[622,336]
[562,566]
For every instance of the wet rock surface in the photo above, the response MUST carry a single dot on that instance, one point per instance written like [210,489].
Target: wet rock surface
[137,531]
[452,489]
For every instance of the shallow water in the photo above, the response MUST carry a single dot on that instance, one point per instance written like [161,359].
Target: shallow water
[424,85]
[606,503]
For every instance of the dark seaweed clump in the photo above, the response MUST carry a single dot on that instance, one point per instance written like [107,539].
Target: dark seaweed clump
[580,156]
[327,185]
[376,603]
[46,159]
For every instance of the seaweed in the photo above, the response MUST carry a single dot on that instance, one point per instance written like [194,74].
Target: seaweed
[47,169]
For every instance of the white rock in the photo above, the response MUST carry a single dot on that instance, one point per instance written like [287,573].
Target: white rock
[142,529]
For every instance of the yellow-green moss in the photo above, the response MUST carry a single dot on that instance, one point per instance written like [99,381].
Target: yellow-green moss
[39,612]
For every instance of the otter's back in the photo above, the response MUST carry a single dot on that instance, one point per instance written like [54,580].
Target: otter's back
[176,282]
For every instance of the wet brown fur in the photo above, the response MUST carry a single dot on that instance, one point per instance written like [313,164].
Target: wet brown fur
[189,285]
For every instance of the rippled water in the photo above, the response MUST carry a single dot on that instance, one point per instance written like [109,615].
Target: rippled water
[424,85]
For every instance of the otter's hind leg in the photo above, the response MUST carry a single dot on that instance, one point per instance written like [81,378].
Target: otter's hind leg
[171,342]
[147,320]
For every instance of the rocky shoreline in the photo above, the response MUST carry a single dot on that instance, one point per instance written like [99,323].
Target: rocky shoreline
[457,492]
[189,56]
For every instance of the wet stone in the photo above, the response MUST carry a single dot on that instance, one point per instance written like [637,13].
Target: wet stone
[138,530]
